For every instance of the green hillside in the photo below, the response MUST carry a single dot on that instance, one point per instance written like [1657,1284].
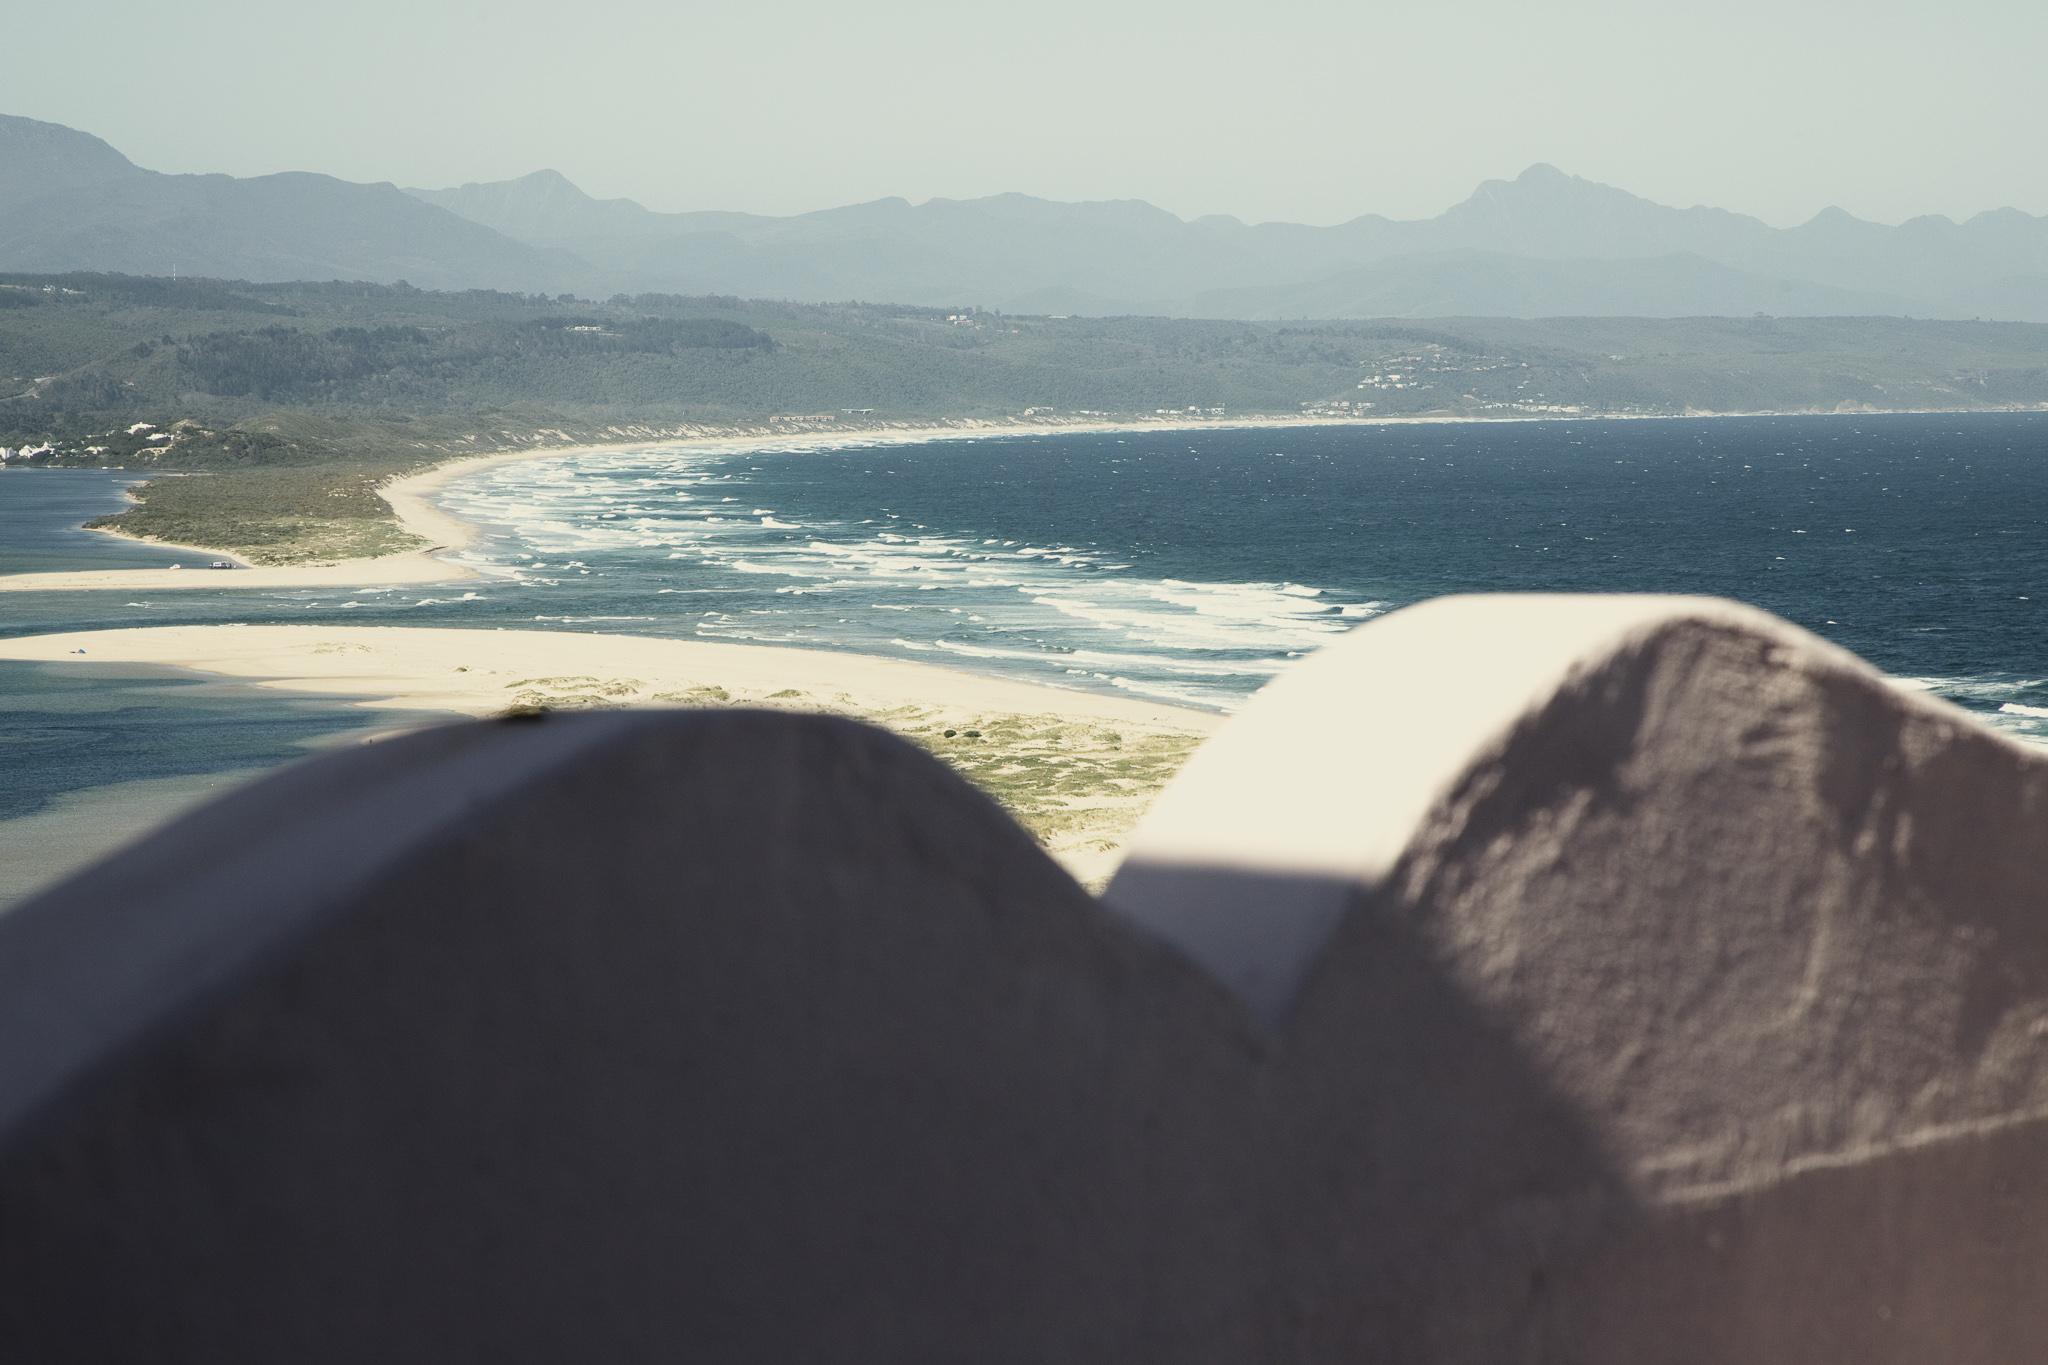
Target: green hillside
[297,398]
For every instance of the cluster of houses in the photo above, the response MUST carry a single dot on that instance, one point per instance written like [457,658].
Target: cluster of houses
[1428,368]
[153,440]
[1336,407]
[979,320]
[1432,360]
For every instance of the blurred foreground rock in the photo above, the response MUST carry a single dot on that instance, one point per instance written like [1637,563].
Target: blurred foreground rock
[1531,979]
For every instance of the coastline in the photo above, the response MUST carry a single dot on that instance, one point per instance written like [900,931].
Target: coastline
[1077,768]
[412,505]
[196,551]
[475,672]
[410,499]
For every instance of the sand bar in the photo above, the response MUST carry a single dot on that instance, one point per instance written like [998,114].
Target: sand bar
[1077,768]
[480,672]
[412,567]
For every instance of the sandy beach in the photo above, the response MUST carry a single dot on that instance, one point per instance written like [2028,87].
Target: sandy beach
[411,567]
[412,502]
[483,672]
[1075,767]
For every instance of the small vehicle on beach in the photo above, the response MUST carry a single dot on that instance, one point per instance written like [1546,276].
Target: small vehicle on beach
[223,564]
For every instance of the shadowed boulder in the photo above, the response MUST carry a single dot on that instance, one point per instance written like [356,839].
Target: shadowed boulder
[1670,990]
[1773,926]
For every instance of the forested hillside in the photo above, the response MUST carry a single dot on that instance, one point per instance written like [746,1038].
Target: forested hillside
[343,384]
[79,352]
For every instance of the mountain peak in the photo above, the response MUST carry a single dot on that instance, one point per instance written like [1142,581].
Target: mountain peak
[1835,216]
[39,158]
[1544,239]
[549,179]
[1542,188]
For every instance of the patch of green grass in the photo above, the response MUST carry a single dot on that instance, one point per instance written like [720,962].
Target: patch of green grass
[281,515]
[1057,776]
[572,693]
[694,696]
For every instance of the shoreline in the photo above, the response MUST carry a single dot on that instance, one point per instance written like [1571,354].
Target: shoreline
[411,503]
[465,670]
[197,551]
[202,551]
[1076,768]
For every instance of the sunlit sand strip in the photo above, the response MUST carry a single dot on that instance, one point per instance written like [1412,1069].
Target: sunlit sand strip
[1075,767]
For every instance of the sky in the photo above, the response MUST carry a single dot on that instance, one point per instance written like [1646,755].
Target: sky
[1298,110]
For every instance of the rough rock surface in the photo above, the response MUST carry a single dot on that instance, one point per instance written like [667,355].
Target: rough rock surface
[1691,1010]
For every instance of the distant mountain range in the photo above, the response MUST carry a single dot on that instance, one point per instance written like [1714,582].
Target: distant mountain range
[1543,244]
[68,201]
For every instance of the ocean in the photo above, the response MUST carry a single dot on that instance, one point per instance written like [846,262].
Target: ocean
[1191,566]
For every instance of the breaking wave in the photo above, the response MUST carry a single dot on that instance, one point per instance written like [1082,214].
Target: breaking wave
[659,526]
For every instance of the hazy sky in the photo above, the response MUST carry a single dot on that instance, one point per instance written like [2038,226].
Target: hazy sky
[1303,110]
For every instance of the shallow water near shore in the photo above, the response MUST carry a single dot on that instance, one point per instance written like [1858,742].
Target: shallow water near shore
[96,754]
[1176,566]
[1189,567]
[42,517]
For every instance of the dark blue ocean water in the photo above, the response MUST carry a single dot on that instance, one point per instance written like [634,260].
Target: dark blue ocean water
[1190,567]
[42,516]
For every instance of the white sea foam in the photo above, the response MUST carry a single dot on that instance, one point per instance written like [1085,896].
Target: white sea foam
[1164,663]
[1974,688]
[1043,606]
[579,620]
